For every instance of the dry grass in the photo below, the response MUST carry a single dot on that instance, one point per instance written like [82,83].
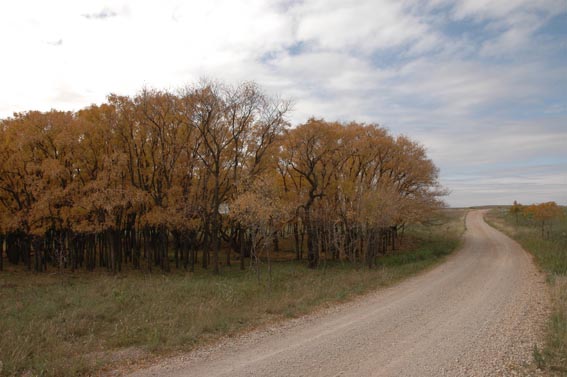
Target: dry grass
[75,324]
[551,255]
[557,334]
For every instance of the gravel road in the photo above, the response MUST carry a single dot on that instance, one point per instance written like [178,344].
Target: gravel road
[478,314]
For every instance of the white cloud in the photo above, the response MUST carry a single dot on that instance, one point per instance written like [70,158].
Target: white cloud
[142,44]
[502,9]
[358,25]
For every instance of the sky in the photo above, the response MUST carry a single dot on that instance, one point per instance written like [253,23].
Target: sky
[482,84]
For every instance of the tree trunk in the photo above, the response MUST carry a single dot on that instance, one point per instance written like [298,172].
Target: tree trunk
[297,241]
[2,251]
[276,242]
[216,243]
[228,256]
[312,252]
[394,234]
[242,248]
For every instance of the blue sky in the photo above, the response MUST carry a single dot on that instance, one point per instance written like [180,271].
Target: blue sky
[481,83]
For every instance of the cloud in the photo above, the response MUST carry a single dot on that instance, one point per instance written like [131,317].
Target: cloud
[101,15]
[58,42]
[526,185]
[357,25]
[502,9]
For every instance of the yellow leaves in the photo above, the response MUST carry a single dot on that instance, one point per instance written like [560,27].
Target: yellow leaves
[262,206]
[171,158]
[516,208]
[544,211]
[359,171]
[379,207]
[52,169]
[156,216]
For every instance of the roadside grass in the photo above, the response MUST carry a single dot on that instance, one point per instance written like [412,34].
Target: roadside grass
[551,254]
[82,323]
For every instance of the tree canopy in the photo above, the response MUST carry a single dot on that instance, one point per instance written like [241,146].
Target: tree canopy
[179,177]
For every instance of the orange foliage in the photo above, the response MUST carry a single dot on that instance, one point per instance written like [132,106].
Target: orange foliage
[136,172]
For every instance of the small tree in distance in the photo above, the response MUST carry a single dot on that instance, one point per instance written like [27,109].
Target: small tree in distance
[544,213]
[516,210]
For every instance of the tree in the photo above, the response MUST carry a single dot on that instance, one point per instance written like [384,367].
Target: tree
[544,213]
[262,210]
[159,175]
[236,126]
[516,210]
[335,170]
[312,152]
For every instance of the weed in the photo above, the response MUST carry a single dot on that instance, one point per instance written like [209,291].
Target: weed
[538,357]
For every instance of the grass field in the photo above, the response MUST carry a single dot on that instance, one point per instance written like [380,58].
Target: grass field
[79,323]
[551,254]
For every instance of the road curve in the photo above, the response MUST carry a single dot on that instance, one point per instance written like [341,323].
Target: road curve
[478,314]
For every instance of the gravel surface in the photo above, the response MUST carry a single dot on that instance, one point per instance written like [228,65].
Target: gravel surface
[478,314]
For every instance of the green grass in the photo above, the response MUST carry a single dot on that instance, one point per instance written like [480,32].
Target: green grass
[550,253]
[78,323]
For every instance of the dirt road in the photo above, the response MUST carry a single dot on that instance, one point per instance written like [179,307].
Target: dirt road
[478,314]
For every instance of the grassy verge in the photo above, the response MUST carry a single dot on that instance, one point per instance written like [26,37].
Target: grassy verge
[75,324]
[551,254]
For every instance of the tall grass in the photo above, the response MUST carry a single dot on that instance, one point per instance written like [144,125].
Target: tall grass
[76,324]
[550,252]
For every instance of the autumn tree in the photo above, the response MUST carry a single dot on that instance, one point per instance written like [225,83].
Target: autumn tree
[544,213]
[337,171]
[516,210]
[312,152]
[236,126]
[167,176]
[262,210]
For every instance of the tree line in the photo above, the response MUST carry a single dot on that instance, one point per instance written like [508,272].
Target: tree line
[199,176]
[540,214]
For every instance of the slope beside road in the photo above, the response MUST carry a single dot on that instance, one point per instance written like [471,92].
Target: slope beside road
[478,314]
